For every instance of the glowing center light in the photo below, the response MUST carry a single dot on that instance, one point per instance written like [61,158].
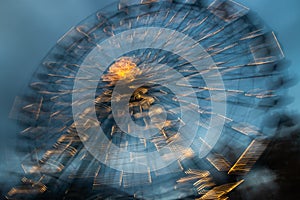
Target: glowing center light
[123,69]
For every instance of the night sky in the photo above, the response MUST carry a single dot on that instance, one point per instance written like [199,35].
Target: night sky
[29,28]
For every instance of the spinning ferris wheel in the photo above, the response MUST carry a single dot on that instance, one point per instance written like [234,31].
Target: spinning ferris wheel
[155,99]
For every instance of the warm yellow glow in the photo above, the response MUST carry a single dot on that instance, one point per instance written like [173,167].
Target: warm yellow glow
[220,192]
[123,69]
[244,164]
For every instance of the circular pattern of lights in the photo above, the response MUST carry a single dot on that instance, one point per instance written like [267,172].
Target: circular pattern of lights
[151,99]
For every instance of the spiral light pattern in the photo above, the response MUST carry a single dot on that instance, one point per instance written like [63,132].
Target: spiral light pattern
[155,99]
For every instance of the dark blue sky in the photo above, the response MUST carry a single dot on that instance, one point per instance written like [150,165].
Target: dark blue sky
[29,28]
